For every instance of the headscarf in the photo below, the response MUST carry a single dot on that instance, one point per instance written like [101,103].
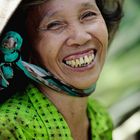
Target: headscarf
[11,59]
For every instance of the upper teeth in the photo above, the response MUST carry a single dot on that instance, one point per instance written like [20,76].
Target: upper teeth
[82,61]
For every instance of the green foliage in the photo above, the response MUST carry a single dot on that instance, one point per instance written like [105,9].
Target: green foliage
[121,74]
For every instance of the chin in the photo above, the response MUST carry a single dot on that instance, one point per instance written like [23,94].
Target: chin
[83,85]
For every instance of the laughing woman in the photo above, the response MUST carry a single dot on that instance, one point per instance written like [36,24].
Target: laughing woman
[64,46]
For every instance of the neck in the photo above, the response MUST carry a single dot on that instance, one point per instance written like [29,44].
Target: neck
[73,109]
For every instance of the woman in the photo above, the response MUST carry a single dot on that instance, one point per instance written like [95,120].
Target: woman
[68,40]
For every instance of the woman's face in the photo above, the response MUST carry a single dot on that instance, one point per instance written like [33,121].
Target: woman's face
[69,38]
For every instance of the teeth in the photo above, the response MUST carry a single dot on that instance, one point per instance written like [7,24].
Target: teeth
[90,58]
[72,63]
[81,62]
[86,59]
[77,63]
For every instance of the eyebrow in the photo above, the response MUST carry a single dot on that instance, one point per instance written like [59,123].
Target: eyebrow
[48,15]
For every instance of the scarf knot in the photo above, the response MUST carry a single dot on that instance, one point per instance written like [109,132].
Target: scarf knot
[9,48]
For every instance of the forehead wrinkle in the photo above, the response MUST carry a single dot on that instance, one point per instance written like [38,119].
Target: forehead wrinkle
[49,13]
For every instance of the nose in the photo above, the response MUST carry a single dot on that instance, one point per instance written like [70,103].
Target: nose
[78,35]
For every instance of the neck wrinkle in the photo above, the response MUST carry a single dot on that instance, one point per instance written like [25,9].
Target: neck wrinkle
[70,107]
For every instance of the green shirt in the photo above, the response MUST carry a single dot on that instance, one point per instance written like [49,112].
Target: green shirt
[32,116]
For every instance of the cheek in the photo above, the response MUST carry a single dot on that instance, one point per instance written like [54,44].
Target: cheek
[99,31]
[52,44]
[46,49]
[103,33]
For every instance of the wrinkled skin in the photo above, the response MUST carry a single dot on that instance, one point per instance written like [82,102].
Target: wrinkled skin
[68,34]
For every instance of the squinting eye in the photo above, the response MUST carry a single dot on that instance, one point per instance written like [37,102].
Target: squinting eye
[88,15]
[55,25]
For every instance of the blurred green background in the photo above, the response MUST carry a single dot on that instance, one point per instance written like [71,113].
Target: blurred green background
[118,87]
[120,77]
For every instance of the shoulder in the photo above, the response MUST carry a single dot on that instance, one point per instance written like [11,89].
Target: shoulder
[9,112]
[97,107]
[15,105]
[12,114]
[101,122]
[19,119]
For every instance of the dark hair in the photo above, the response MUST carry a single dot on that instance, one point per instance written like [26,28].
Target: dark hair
[112,13]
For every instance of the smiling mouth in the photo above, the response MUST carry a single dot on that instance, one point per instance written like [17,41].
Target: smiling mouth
[81,60]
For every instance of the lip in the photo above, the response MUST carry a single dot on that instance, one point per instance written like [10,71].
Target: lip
[78,55]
